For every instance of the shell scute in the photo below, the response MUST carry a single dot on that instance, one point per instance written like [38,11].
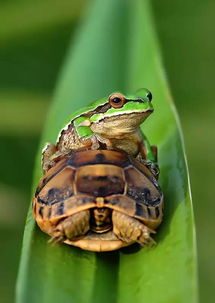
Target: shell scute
[100,180]
[58,188]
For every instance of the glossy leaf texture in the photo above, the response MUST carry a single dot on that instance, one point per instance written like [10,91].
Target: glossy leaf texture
[116,49]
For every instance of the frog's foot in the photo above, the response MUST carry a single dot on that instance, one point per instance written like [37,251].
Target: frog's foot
[141,159]
[154,168]
[99,142]
[72,227]
[47,153]
[130,229]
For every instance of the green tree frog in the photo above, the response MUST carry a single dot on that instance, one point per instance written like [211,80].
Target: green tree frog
[110,123]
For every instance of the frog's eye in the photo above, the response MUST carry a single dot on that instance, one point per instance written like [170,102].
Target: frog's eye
[117,100]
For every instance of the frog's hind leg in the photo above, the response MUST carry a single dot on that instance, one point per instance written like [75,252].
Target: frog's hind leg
[151,164]
[72,227]
[48,151]
[129,229]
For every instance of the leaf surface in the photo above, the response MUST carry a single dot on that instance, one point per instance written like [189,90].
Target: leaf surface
[116,50]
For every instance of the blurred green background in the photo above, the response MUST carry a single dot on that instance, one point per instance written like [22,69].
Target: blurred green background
[34,36]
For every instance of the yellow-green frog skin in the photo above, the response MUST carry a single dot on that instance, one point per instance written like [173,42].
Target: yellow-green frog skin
[112,123]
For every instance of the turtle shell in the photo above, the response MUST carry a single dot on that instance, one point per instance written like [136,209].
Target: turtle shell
[85,180]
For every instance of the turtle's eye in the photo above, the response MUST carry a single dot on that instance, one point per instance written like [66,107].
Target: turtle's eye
[117,100]
[149,95]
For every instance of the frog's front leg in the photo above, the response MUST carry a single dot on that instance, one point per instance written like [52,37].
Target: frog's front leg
[95,141]
[84,131]
[99,142]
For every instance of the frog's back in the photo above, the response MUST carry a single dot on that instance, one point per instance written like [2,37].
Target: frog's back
[85,111]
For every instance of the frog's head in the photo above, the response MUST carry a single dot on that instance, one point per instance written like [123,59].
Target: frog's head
[122,113]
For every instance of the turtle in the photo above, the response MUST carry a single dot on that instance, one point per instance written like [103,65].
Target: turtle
[99,200]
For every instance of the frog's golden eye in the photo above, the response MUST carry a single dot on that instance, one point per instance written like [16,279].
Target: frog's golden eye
[117,100]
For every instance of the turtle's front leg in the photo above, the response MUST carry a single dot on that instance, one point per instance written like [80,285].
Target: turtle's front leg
[129,229]
[72,227]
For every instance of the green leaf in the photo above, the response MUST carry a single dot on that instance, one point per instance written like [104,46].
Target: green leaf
[21,17]
[116,50]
